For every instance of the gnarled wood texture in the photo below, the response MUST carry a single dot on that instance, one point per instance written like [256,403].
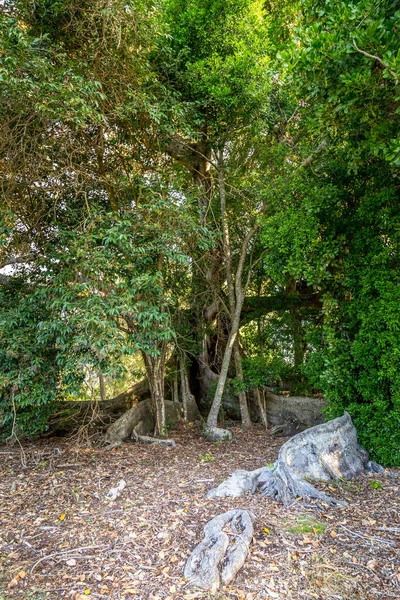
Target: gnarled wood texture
[222,552]
[324,452]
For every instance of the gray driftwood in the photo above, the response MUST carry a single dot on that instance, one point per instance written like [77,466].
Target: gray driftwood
[145,439]
[116,491]
[321,453]
[222,552]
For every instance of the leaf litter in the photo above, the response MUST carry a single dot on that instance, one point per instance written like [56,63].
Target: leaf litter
[62,537]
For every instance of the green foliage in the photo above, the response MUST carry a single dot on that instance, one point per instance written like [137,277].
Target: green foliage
[307,525]
[377,425]
[376,485]
[354,96]
[207,457]
[219,50]
[98,296]
[259,371]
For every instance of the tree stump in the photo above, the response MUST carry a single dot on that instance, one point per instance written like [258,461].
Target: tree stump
[321,453]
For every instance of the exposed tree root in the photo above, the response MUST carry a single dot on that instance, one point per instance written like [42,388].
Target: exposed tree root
[139,419]
[220,555]
[324,452]
[216,434]
[145,439]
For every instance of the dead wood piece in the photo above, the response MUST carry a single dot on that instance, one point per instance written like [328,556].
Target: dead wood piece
[145,439]
[321,453]
[240,483]
[221,553]
[116,491]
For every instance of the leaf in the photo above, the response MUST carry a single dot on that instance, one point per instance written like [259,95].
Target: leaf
[71,562]
[62,517]
[333,533]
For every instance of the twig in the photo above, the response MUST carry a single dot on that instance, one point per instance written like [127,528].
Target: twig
[13,433]
[355,565]
[369,539]
[63,552]
[393,74]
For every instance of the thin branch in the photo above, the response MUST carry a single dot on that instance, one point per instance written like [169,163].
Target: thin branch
[242,259]
[251,269]
[374,57]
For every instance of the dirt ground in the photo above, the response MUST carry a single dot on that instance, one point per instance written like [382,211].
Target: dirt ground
[60,537]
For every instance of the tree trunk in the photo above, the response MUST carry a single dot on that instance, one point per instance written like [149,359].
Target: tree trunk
[176,385]
[185,391]
[212,419]
[102,387]
[139,420]
[244,409]
[155,373]
[261,407]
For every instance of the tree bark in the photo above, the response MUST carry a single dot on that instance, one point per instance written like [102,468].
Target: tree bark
[222,552]
[185,391]
[176,385]
[102,388]
[212,419]
[261,407]
[244,409]
[236,295]
[324,452]
[155,367]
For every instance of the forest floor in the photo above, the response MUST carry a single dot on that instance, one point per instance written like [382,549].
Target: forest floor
[60,537]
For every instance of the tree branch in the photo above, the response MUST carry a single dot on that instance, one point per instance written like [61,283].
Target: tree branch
[368,55]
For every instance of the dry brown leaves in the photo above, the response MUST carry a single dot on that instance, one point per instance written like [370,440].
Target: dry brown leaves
[60,537]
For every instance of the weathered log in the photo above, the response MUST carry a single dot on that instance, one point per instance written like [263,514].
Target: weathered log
[145,439]
[321,453]
[220,555]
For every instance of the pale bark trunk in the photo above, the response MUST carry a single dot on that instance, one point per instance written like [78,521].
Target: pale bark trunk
[212,419]
[176,387]
[262,407]
[244,409]
[236,293]
[185,391]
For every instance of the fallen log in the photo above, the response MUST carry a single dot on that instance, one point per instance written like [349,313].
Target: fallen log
[321,453]
[145,439]
[222,552]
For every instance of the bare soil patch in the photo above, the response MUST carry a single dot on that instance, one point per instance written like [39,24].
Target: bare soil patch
[60,537]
